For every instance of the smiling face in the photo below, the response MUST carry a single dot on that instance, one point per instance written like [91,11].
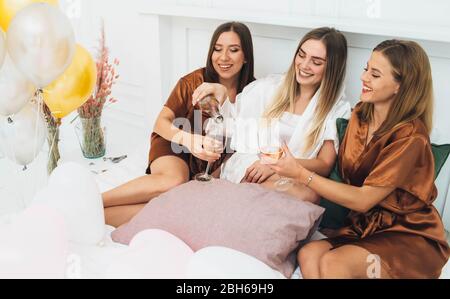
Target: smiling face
[228,57]
[310,63]
[379,84]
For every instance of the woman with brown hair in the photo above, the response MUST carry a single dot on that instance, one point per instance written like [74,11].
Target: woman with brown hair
[177,154]
[393,230]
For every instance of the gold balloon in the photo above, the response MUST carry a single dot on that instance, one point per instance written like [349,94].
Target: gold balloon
[74,87]
[9,8]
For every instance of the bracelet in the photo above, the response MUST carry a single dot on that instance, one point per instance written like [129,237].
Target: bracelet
[310,179]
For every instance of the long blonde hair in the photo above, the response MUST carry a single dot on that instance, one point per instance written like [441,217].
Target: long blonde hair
[331,85]
[414,99]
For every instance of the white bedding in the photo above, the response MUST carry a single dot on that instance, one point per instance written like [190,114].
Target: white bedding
[96,259]
[88,261]
[92,261]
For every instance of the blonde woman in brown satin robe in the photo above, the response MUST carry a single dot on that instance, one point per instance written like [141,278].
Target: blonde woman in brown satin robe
[393,230]
[230,63]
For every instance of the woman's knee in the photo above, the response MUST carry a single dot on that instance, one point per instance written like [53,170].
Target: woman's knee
[306,253]
[171,171]
[309,256]
[177,179]
[331,266]
[171,180]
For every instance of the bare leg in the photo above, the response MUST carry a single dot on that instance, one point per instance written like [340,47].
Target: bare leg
[167,172]
[116,216]
[299,191]
[309,258]
[350,261]
[125,201]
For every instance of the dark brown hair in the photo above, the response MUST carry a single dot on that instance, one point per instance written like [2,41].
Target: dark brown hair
[246,76]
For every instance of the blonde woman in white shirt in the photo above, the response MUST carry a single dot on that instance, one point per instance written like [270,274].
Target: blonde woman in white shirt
[304,104]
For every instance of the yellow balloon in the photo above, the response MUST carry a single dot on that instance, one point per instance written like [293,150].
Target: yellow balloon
[74,87]
[9,8]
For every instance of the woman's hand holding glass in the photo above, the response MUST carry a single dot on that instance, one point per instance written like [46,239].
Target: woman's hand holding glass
[199,148]
[287,166]
[271,151]
[213,142]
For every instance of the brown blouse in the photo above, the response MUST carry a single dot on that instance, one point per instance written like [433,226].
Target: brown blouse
[180,102]
[404,229]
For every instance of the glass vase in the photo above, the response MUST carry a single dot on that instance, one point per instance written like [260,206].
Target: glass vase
[92,137]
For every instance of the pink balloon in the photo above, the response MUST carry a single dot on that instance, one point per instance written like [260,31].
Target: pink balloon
[34,245]
[153,254]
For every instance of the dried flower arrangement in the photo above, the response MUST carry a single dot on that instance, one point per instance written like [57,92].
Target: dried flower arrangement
[106,78]
[92,139]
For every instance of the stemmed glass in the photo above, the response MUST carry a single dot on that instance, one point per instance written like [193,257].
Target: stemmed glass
[270,149]
[217,140]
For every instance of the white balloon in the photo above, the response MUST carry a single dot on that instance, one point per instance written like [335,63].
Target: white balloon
[218,262]
[34,245]
[152,254]
[2,48]
[24,135]
[41,42]
[15,89]
[72,190]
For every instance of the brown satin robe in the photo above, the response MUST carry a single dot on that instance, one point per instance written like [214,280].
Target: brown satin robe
[180,102]
[404,229]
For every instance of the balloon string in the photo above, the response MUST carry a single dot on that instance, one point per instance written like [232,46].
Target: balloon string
[12,153]
[12,150]
[39,100]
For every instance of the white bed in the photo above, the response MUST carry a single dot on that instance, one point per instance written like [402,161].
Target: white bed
[109,259]
[96,260]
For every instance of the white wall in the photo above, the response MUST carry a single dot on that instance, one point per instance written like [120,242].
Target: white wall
[128,120]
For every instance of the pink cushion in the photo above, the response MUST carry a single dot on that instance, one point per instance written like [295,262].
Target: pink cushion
[267,225]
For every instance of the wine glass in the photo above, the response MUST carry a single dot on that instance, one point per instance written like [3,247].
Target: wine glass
[217,141]
[271,151]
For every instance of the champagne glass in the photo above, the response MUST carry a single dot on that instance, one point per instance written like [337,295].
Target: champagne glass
[217,141]
[271,151]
